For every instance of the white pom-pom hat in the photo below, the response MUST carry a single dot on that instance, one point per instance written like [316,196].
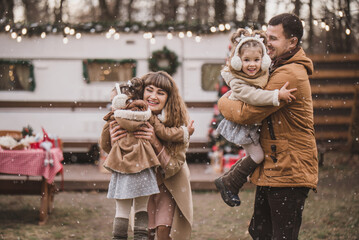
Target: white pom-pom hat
[236,61]
[119,101]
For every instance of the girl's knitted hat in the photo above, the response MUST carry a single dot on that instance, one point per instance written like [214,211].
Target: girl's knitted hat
[236,61]
[119,101]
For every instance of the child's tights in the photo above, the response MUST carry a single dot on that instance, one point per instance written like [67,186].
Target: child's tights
[123,206]
[254,151]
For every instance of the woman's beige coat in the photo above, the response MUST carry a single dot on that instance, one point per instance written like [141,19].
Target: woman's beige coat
[177,180]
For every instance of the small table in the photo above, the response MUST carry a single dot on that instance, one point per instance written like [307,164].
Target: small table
[31,163]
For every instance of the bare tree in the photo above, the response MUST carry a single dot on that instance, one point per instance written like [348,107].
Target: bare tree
[348,42]
[106,14]
[261,4]
[338,33]
[58,12]
[129,9]
[248,10]
[172,10]
[235,3]
[311,19]
[32,10]
[297,7]
[220,8]
[7,9]
[202,13]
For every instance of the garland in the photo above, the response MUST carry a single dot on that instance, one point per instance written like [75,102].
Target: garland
[169,58]
[35,29]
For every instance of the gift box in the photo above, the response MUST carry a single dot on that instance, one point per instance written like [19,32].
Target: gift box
[229,159]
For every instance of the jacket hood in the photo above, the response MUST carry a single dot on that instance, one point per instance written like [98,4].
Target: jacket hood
[301,58]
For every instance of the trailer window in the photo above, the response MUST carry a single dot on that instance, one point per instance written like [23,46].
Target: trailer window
[100,70]
[16,75]
[211,76]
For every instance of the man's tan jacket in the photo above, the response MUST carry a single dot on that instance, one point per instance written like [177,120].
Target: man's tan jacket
[294,162]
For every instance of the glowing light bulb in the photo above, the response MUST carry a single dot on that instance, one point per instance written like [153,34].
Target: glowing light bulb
[112,30]
[116,36]
[65,40]
[198,38]
[221,27]
[181,34]
[169,36]
[43,35]
[153,40]
[66,30]
[78,35]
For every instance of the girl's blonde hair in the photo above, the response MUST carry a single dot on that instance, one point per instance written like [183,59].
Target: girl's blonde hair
[176,113]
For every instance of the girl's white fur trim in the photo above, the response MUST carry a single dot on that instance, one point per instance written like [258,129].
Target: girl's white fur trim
[185,134]
[162,116]
[133,115]
[276,98]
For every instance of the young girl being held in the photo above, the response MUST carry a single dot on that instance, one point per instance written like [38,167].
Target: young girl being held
[246,72]
[131,160]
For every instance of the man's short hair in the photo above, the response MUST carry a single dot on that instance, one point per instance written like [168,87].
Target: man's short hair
[292,25]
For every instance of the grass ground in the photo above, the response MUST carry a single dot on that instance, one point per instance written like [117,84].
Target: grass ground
[332,213]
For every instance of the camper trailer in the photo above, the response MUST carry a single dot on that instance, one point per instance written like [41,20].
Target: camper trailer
[63,85]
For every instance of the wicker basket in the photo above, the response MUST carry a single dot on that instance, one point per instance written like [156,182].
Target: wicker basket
[15,134]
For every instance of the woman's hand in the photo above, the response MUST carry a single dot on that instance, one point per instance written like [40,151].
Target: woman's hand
[116,132]
[147,132]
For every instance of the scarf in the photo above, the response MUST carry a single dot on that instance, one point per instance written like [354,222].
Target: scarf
[260,79]
[280,61]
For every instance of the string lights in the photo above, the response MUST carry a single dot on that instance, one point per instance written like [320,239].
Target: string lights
[323,23]
[181,30]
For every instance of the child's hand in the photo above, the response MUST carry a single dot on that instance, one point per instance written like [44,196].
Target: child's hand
[190,127]
[285,94]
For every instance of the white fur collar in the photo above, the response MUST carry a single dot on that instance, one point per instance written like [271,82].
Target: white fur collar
[162,116]
[134,115]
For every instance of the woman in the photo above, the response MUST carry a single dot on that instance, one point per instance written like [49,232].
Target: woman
[171,211]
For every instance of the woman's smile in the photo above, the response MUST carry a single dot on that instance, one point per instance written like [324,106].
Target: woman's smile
[155,97]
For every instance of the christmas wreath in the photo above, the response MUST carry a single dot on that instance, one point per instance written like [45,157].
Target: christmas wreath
[163,60]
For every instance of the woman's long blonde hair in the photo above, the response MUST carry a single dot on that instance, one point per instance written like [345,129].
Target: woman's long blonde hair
[176,113]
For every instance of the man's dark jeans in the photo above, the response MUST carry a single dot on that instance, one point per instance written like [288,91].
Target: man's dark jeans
[277,213]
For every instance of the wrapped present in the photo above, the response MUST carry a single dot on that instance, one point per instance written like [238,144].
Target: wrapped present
[229,159]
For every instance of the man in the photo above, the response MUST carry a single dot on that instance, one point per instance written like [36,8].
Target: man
[290,167]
